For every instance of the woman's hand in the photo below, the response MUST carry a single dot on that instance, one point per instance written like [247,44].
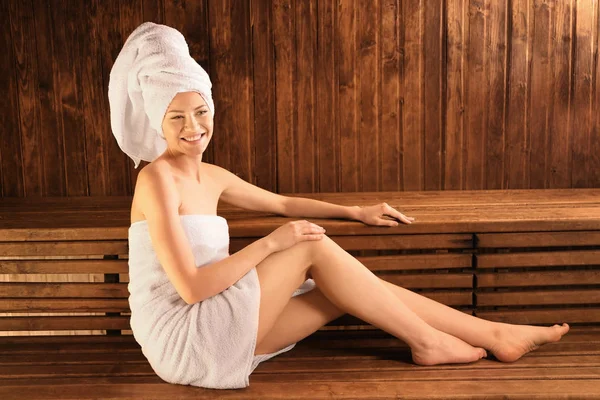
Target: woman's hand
[372,215]
[294,232]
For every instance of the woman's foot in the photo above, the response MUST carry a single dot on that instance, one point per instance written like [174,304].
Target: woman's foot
[443,348]
[514,341]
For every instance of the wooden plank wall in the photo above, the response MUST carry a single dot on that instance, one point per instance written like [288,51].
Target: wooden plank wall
[318,96]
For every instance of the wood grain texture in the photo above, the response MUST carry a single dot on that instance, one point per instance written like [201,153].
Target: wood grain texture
[320,96]
[347,96]
[363,364]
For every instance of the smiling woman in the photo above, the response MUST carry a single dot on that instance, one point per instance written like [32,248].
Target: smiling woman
[206,318]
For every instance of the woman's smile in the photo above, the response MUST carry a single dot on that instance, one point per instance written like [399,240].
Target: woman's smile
[195,139]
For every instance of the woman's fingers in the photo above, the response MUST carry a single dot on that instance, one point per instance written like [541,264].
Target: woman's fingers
[392,212]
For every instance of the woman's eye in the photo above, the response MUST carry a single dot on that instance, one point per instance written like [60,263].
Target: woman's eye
[202,112]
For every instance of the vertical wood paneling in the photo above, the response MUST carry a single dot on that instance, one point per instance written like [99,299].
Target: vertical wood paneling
[10,146]
[154,11]
[516,151]
[95,123]
[594,165]
[305,156]
[326,123]
[558,131]
[242,133]
[413,96]
[540,95]
[263,58]
[582,106]
[51,123]
[283,41]
[111,43]
[433,84]
[457,23]
[368,165]
[319,96]
[231,70]
[496,94]
[474,139]
[23,36]
[70,110]
[348,95]
[390,137]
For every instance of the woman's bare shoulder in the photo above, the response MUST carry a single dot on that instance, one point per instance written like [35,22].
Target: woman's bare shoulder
[155,178]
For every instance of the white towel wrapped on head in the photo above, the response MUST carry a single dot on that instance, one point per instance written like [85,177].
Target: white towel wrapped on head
[152,67]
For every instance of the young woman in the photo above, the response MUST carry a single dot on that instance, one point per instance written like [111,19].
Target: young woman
[206,318]
[197,308]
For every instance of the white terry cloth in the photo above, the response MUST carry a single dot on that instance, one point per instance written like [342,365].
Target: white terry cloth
[208,344]
[152,67]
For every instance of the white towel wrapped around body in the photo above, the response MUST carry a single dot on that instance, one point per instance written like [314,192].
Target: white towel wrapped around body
[208,344]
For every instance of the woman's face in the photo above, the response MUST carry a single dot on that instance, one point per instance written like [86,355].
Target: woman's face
[188,124]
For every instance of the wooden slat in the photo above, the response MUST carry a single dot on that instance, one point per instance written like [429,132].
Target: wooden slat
[544,278]
[577,336]
[436,212]
[64,266]
[384,242]
[535,259]
[414,262]
[343,389]
[467,198]
[404,242]
[264,106]
[543,316]
[61,340]
[64,305]
[430,281]
[66,289]
[450,298]
[350,320]
[53,323]
[424,375]
[538,297]
[538,239]
[82,359]
[63,248]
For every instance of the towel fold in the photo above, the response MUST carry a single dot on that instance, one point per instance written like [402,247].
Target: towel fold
[152,67]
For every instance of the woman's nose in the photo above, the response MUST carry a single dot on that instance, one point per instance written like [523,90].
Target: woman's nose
[191,125]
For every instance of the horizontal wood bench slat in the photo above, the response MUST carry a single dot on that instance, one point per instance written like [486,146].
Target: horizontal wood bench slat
[64,266]
[538,297]
[539,259]
[543,278]
[520,256]
[62,323]
[573,209]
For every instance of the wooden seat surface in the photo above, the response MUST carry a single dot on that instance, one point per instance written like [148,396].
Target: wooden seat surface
[435,212]
[362,364]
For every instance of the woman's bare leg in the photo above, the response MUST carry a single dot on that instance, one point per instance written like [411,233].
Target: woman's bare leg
[506,341]
[302,316]
[306,313]
[351,287]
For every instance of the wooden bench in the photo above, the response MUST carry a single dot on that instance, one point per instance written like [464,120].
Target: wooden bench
[520,256]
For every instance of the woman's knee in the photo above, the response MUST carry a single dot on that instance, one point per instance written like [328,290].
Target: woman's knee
[311,249]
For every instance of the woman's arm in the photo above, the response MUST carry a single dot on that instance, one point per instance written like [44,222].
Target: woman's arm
[243,194]
[159,203]
[303,207]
